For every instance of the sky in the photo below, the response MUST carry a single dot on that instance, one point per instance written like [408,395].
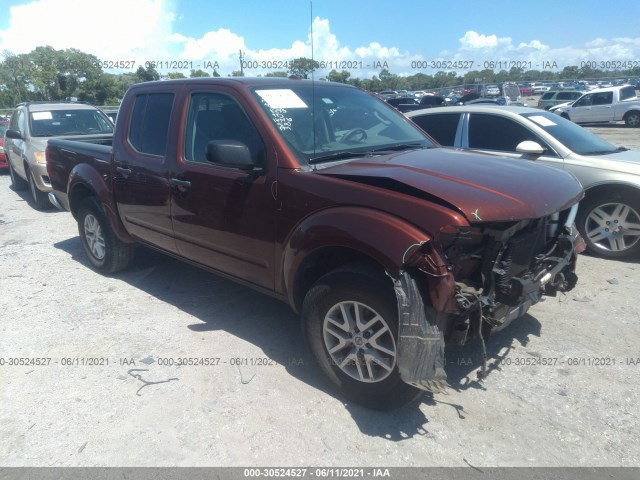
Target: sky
[363,36]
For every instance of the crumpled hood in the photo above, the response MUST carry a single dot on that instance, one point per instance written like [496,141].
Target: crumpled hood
[485,188]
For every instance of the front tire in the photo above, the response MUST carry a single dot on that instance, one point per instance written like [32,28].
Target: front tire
[350,324]
[610,225]
[39,200]
[17,182]
[106,252]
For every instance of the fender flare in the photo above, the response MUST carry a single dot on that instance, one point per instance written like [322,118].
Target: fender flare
[387,239]
[84,176]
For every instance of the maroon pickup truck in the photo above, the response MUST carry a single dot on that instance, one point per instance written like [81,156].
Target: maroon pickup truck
[323,196]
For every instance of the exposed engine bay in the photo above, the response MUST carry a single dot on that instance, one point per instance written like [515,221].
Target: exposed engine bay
[498,272]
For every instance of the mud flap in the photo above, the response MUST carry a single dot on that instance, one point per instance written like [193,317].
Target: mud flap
[420,341]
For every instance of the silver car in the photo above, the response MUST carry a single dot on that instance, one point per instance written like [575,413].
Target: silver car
[609,215]
[31,125]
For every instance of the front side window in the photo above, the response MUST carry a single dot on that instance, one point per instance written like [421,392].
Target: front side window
[602,98]
[491,132]
[149,124]
[214,116]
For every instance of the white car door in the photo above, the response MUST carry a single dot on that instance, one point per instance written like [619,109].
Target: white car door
[593,107]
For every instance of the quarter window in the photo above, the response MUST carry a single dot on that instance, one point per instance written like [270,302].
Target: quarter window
[149,124]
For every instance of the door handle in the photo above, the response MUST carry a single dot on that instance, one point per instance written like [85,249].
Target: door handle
[183,184]
[124,171]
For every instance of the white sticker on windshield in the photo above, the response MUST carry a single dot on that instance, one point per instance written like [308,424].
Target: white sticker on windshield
[544,121]
[42,115]
[281,98]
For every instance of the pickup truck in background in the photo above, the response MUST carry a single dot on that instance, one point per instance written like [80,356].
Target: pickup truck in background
[611,104]
[327,198]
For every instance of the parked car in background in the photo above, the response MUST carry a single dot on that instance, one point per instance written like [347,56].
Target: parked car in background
[490,91]
[608,217]
[4,124]
[427,101]
[525,89]
[31,125]
[540,89]
[112,114]
[605,105]
[556,97]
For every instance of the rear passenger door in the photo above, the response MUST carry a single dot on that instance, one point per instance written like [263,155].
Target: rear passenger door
[140,177]
[224,217]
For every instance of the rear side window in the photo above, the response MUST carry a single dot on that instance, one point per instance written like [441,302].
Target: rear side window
[442,127]
[548,95]
[627,92]
[149,125]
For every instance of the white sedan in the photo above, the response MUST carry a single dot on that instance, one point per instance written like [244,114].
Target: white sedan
[609,215]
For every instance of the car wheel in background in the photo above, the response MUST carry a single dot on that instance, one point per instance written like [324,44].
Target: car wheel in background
[39,200]
[106,252]
[17,182]
[632,119]
[350,324]
[610,225]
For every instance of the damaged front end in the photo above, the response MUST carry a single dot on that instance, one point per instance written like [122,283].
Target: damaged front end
[475,280]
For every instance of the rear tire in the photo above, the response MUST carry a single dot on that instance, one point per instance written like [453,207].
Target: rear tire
[632,119]
[17,182]
[39,200]
[106,252]
[361,363]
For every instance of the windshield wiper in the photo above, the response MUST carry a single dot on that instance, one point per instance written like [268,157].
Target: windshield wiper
[400,147]
[338,156]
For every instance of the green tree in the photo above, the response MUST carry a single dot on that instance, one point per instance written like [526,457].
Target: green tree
[147,74]
[175,75]
[277,74]
[340,77]
[303,67]
[199,73]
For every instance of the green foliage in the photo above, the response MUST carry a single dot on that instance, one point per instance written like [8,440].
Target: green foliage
[200,73]
[303,67]
[49,74]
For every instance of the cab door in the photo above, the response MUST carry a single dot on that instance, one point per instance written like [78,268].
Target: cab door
[141,159]
[224,217]
[593,107]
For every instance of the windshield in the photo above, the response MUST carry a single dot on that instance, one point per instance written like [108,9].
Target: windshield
[54,123]
[572,136]
[341,122]
[3,128]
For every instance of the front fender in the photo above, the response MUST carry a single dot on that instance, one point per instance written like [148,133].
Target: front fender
[85,180]
[389,240]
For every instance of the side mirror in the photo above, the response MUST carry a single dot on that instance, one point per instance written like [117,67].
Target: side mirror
[529,147]
[230,153]
[14,134]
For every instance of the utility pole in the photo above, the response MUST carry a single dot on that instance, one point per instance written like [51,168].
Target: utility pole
[241,56]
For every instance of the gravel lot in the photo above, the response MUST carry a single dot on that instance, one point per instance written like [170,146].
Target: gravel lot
[562,389]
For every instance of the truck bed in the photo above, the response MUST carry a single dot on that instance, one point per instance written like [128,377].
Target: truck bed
[63,154]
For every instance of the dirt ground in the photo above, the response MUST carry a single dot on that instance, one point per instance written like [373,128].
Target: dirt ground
[97,382]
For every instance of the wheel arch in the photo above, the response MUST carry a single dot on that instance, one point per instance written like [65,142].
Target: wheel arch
[344,235]
[85,181]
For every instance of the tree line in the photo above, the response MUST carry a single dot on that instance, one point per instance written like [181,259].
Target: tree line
[47,74]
